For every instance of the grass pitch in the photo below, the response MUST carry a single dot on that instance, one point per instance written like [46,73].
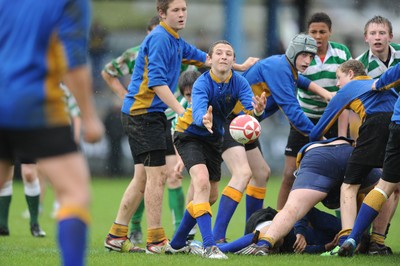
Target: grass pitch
[20,248]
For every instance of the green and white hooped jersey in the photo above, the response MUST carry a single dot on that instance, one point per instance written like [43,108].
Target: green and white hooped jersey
[124,64]
[374,66]
[72,106]
[324,74]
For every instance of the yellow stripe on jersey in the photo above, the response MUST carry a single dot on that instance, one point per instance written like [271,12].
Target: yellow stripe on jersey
[55,107]
[145,96]
[258,89]
[358,107]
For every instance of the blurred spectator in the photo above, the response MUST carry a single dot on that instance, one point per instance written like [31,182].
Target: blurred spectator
[97,51]
[114,134]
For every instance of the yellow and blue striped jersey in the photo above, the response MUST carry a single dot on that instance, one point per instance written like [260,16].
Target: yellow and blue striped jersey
[279,80]
[222,96]
[358,96]
[40,41]
[158,63]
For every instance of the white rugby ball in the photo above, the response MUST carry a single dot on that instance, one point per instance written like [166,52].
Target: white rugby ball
[245,129]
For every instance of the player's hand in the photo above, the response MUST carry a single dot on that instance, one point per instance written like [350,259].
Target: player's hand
[250,61]
[300,244]
[259,103]
[331,245]
[178,167]
[373,87]
[93,129]
[208,119]
[329,96]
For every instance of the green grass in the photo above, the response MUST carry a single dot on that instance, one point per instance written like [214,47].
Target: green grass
[22,249]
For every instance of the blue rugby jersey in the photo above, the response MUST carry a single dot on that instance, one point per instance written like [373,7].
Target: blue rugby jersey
[158,63]
[276,77]
[39,41]
[357,96]
[222,96]
[391,79]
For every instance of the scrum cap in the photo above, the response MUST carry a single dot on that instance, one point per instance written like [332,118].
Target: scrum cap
[300,43]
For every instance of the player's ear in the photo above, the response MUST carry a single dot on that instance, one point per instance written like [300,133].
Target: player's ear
[208,59]
[162,15]
[351,74]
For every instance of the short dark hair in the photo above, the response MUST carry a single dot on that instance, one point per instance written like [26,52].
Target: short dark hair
[154,21]
[355,65]
[211,49]
[320,17]
[379,20]
[163,5]
[186,79]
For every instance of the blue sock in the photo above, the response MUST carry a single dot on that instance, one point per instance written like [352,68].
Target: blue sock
[264,242]
[227,207]
[187,223]
[364,218]
[252,204]
[204,223]
[236,245]
[72,239]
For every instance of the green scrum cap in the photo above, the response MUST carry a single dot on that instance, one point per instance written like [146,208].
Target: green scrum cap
[301,43]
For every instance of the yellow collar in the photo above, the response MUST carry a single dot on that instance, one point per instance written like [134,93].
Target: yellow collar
[216,79]
[169,29]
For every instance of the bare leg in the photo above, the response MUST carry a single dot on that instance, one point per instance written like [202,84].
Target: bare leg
[153,195]
[348,204]
[132,197]
[287,181]
[300,201]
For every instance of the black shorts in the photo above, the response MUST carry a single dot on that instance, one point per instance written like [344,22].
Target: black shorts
[194,150]
[296,140]
[370,147]
[29,145]
[391,164]
[229,142]
[147,137]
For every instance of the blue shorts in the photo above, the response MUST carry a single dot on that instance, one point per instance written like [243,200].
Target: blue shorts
[323,169]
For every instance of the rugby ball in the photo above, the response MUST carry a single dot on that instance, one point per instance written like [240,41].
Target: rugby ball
[245,129]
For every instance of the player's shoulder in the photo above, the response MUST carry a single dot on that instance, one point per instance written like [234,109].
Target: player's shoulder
[396,46]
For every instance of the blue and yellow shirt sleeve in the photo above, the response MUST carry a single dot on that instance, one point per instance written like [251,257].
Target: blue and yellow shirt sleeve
[348,96]
[390,79]
[283,83]
[74,31]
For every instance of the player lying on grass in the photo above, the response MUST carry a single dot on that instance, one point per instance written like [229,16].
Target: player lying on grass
[317,228]
[320,173]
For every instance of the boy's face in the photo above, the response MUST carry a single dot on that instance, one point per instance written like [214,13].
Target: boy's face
[378,37]
[176,15]
[223,58]
[343,78]
[321,33]
[303,60]
[187,93]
